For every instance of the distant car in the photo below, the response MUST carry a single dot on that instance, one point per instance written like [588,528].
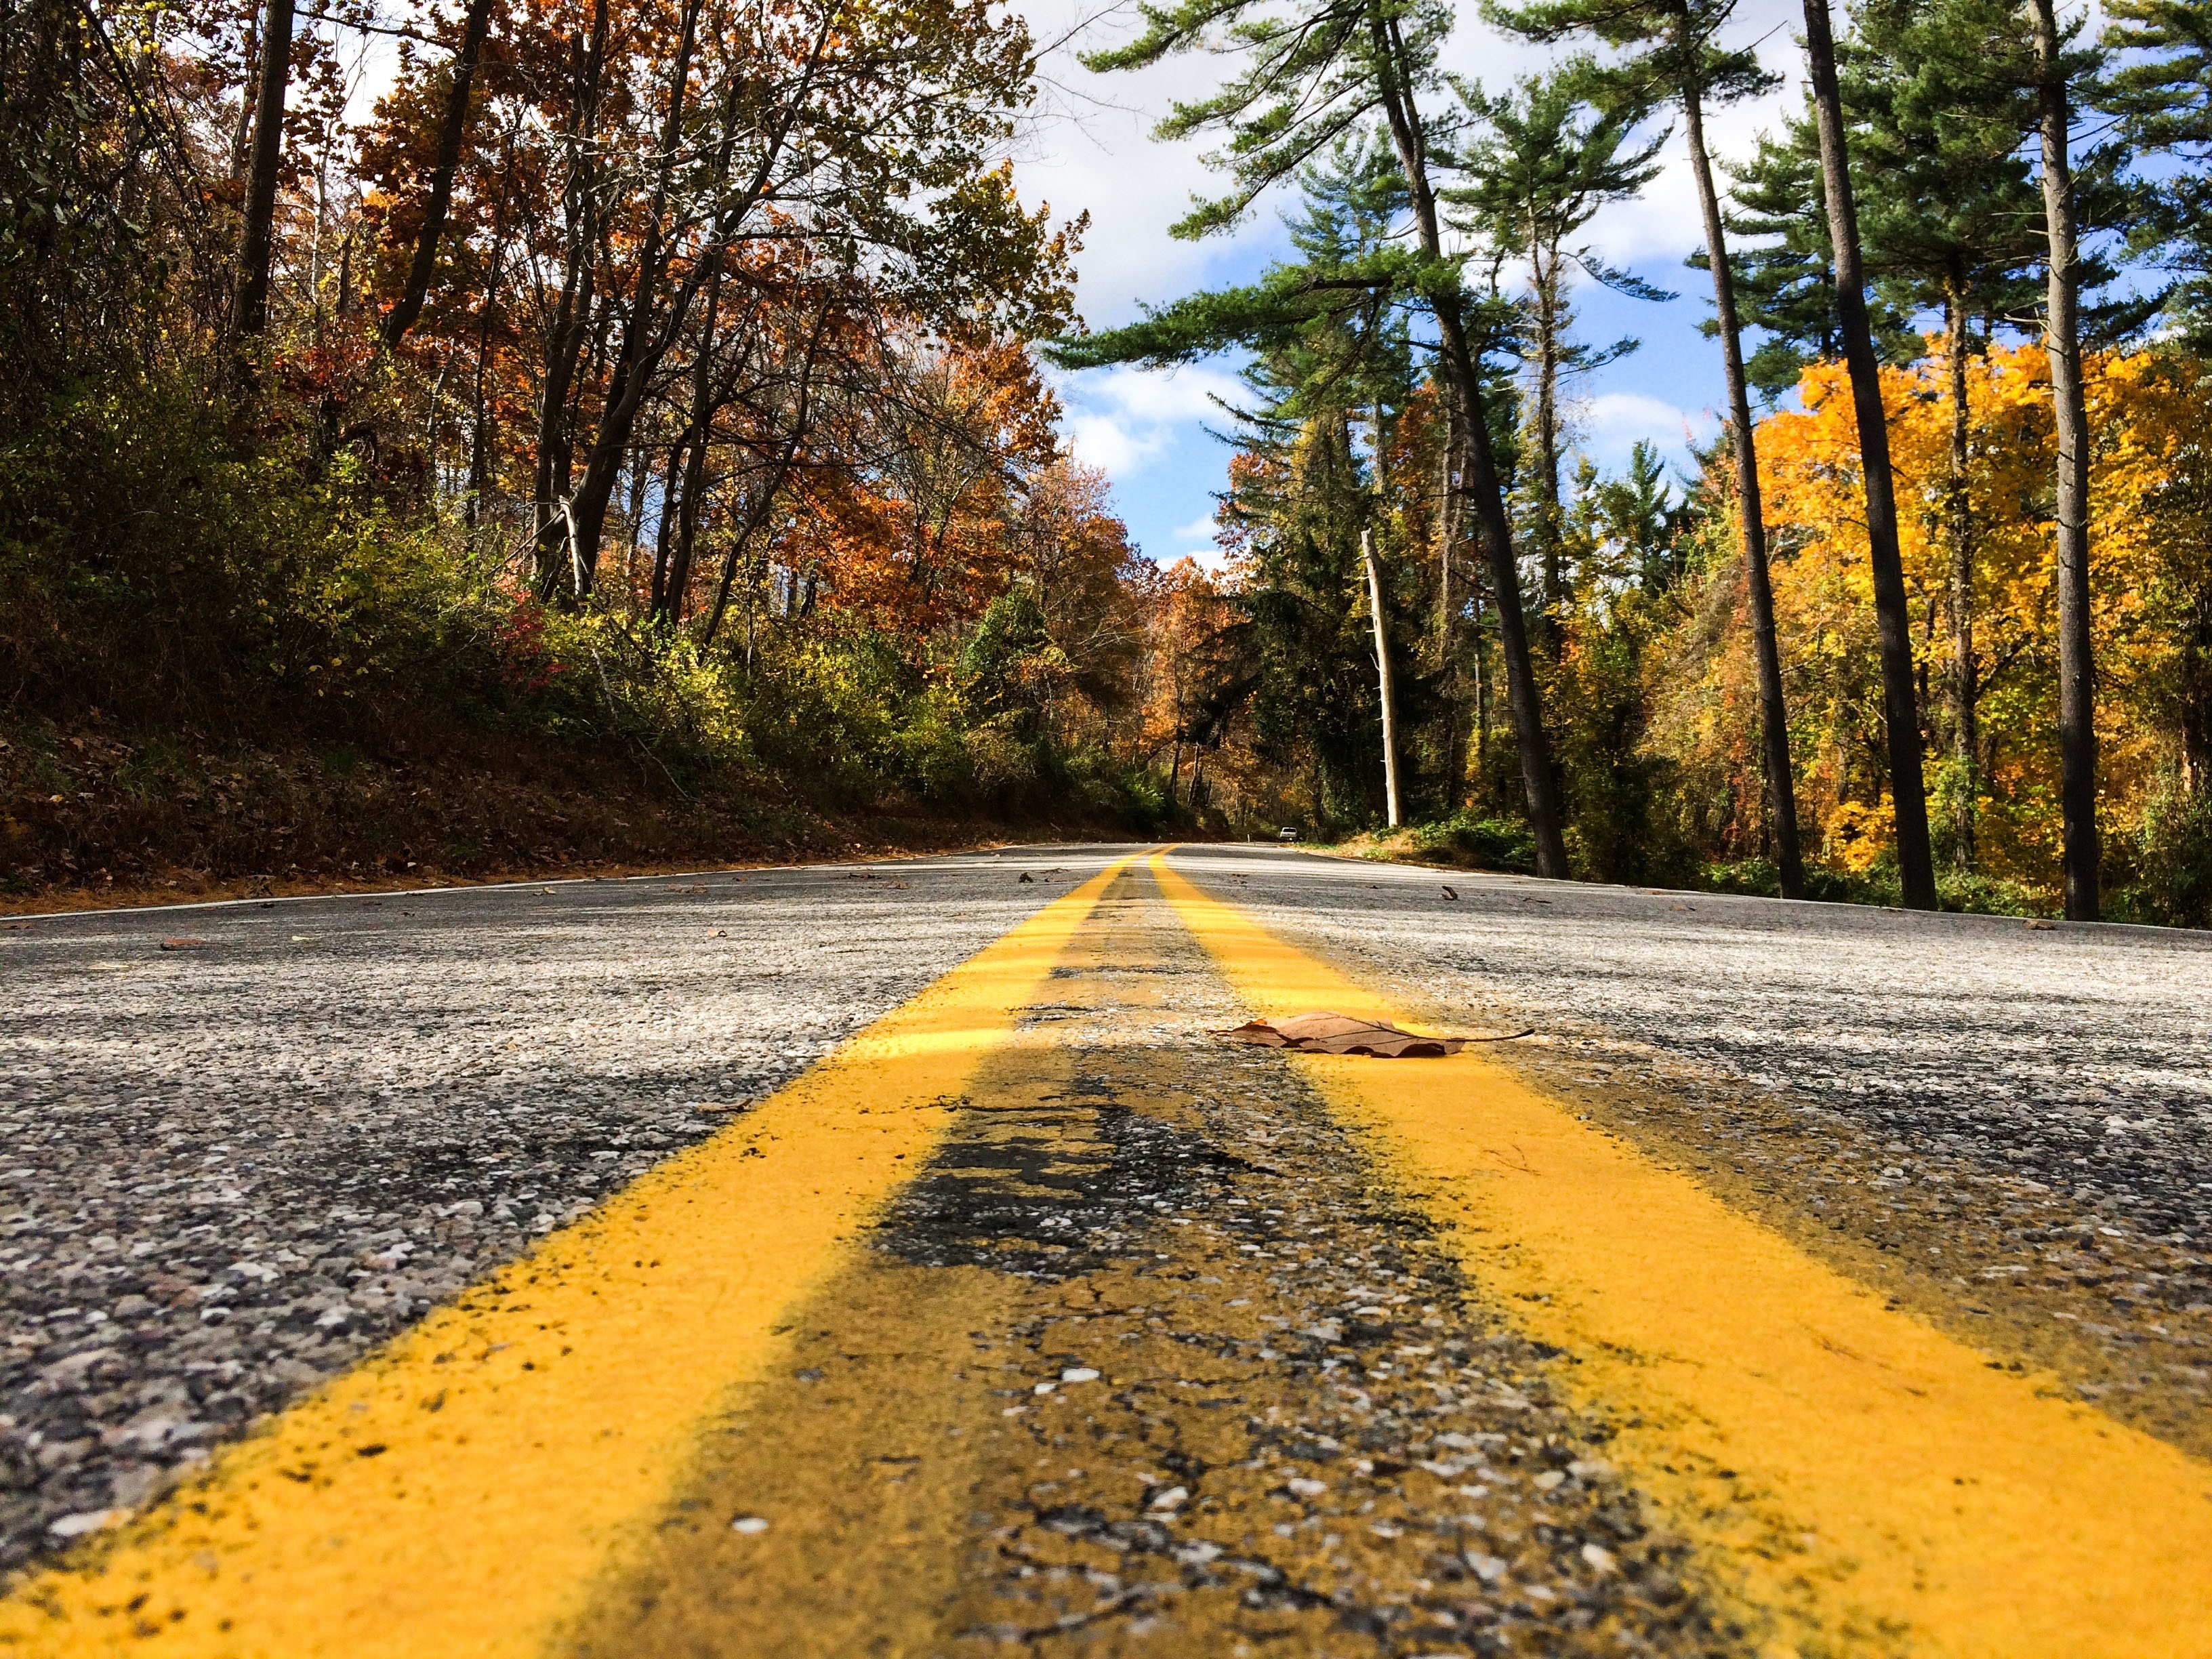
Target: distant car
[1288,832]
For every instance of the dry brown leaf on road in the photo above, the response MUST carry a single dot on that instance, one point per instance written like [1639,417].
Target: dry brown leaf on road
[186,944]
[1340,1034]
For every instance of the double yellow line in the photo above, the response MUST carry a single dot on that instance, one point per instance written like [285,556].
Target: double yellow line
[1858,1483]
[459,1494]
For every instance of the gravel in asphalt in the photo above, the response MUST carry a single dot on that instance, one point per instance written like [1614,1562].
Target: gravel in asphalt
[1149,1359]
[244,1143]
[2008,1128]
[240,1144]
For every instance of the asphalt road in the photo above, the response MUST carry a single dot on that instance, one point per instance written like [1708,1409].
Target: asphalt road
[245,1144]
[229,1168]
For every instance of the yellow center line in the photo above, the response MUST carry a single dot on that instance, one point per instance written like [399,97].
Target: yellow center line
[459,1492]
[1860,1482]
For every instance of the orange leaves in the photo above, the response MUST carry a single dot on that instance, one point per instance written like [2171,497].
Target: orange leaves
[2151,505]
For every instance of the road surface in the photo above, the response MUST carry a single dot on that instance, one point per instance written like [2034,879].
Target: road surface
[897,1258]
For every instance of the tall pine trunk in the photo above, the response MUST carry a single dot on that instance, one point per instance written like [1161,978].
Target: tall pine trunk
[1967,739]
[2077,729]
[1774,717]
[1916,864]
[1457,355]
[1544,266]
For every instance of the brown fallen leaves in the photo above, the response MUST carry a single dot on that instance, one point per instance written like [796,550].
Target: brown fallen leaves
[1340,1034]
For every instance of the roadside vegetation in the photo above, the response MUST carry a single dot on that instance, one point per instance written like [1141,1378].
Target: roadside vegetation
[630,436]
[1929,622]
[621,444]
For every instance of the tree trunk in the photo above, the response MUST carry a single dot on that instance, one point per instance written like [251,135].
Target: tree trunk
[2195,679]
[1383,674]
[572,315]
[1773,711]
[1447,526]
[669,601]
[645,337]
[250,298]
[1900,706]
[1457,357]
[2077,730]
[1544,264]
[402,316]
[1967,738]
[242,133]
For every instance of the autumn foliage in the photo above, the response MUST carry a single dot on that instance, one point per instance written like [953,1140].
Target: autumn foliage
[647,379]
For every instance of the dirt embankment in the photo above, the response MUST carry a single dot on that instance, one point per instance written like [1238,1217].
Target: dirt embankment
[94,817]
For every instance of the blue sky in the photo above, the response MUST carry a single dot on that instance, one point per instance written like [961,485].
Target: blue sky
[1091,150]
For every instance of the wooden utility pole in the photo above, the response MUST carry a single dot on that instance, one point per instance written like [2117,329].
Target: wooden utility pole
[1774,718]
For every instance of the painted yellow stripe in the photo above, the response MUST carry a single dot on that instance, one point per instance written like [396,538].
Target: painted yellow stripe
[458,1493]
[1860,1482]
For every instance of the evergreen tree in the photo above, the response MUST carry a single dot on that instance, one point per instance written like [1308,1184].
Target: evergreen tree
[1331,375]
[1310,73]
[2162,97]
[1545,159]
[1950,215]
[1784,269]
[1900,701]
[1667,50]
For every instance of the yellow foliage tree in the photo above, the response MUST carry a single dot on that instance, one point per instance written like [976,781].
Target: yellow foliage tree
[2151,544]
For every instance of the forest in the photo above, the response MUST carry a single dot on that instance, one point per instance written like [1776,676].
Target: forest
[632,433]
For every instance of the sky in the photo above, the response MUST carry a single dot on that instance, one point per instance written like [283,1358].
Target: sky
[1090,150]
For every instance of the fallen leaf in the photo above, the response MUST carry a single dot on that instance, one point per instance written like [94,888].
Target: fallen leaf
[1339,1034]
[1450,893]
[186,944]
[1024,876]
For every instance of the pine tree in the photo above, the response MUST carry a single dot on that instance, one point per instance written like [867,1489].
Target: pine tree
[1544,161]
[1784,269]
[1667,50]
[1949,214]
[2162,97]
[1310,73]
[1900,701]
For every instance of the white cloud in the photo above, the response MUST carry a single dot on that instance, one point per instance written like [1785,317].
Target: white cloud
[1611,423]
[1198,530]
[1120,420]
[1109,444]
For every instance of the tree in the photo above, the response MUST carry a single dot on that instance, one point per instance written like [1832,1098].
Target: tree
[1670,50]
[452,128]
[2077,728]
[1313,73]
[1544,161]
[2161,94]
[1783,270]
[1901,711]
[1948,216]
[250,308]
[1334,354]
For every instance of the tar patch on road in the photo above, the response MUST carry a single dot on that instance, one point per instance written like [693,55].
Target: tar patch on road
[1146,1360]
